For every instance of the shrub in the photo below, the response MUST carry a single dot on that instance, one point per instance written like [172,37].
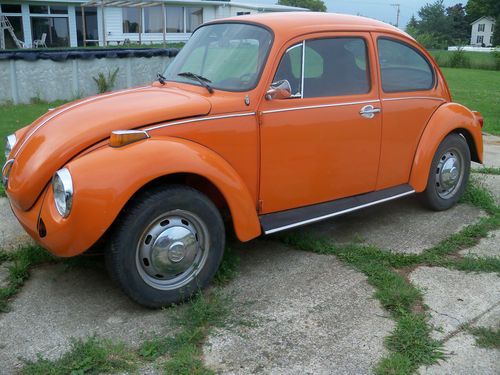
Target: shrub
[105,84]
[459,59]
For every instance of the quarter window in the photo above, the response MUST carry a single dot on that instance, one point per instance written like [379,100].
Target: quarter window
[403,68]
[331,67]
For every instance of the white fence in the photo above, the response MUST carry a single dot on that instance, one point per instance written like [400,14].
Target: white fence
[474,49]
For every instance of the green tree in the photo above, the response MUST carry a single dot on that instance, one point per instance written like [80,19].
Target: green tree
[477,8]
[496,32]
[314,5]
[459,27]
[433,20]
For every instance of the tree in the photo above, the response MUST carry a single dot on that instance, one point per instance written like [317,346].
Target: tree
[459,27]
[478,8]
[412,26]
[314,5]
[496,32]
[433,20]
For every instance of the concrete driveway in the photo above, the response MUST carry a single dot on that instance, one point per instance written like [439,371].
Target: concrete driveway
[311,313]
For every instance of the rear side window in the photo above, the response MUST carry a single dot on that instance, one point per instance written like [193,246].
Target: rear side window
[403,68]
[331,67]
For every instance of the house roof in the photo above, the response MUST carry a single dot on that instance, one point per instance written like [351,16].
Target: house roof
[148,3]
[483,17]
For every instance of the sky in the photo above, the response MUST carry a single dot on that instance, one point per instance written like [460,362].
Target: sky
[379,9]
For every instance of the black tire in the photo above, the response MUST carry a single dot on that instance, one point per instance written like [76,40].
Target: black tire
[438,194]
[141,218]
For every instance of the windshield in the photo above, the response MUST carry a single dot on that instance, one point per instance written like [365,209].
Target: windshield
[229,56]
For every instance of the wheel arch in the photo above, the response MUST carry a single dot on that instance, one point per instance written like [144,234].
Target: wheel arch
[447,119]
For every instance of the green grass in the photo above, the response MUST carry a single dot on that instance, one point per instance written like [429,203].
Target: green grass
[477,90]
[22,261]
[89,356]
[487,170]
[477,60]
[411,344]
[486,337]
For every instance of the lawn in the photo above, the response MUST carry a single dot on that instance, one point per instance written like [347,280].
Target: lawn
[478,90]
[476,60]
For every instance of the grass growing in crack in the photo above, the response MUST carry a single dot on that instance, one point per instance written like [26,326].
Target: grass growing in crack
[486,337]
[411,344]
[22,261]
[90,356]
[487,170]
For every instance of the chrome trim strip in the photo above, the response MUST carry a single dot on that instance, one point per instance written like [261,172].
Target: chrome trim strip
[321,106]
[67,109]
[413,97]
[319,218]
[302,69]
[198,119]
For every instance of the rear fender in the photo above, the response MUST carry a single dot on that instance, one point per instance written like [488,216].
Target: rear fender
[106,179]
[449,118]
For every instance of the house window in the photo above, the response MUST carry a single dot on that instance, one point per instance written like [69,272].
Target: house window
[491,40]
[175,20]
[479,39]
[480,27]
[49,23]
[10,8]
[153,20]
[194,18]
[130,20]
[242,13]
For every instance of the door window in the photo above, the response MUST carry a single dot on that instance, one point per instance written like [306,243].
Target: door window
[331,67]
[403,68]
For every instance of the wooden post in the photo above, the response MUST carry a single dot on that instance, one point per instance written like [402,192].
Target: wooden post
[140,25]
[84,27]
[164,19]
[103,25]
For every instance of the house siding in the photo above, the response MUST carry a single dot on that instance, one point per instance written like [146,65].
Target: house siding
[486,34]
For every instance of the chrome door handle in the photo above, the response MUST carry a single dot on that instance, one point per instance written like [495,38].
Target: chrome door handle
[369,111]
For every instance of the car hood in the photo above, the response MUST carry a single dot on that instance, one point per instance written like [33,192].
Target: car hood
[64,132]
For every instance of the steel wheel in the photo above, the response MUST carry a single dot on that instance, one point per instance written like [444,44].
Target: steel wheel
[172,250]
[449,173]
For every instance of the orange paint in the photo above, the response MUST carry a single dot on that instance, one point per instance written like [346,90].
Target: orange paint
[261,155]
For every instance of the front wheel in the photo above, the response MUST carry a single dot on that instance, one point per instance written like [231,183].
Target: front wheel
[166,245]
[448,175]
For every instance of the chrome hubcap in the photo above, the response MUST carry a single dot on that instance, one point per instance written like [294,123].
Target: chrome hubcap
[449,173]
[172,250]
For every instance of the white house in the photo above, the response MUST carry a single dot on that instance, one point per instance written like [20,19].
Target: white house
[482,32]
[73,23]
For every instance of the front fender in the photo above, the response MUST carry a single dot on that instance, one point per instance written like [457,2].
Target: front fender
[106,179]
[446,119]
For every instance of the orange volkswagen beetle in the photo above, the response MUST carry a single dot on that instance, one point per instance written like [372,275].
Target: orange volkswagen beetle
[265,122]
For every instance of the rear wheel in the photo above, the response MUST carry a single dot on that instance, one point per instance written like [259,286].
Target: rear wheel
[167,245]
[448,175]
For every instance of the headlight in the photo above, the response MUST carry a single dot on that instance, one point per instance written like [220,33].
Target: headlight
[62,185]
[10,142]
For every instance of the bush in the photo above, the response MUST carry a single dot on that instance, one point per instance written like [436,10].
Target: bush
[459,59]
[105,84]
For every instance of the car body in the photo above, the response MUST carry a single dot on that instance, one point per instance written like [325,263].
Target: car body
[331,113]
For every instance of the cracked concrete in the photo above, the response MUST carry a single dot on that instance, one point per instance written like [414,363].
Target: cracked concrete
[403,225]
[12,235]
[491,152]
[487,247]
[310,315]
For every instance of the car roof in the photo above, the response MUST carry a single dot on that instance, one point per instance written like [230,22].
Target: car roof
[291,24]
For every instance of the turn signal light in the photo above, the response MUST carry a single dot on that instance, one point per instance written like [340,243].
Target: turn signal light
[121,138]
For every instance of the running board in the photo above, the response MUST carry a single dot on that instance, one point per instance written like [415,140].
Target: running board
[283,220]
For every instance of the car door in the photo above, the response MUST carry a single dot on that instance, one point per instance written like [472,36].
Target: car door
[323,142]
[410,92]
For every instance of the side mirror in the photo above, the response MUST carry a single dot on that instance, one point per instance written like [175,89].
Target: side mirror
[279,90]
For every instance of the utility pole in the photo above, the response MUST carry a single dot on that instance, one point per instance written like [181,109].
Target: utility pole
[397,6]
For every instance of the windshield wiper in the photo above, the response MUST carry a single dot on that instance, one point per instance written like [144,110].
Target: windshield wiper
[161,78]
[203,81]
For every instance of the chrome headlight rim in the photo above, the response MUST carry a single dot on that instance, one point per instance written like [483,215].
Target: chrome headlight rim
[62,183]
[10,142]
